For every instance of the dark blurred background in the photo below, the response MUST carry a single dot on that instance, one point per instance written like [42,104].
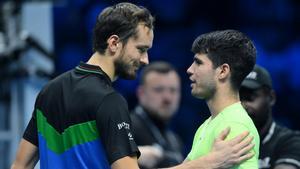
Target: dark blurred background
[273,25]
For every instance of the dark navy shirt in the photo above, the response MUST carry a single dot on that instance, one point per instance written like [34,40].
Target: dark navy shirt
[280,146]
[80,121]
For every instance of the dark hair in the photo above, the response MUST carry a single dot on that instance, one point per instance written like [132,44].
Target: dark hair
[121,19]
[231,47]
[159,67]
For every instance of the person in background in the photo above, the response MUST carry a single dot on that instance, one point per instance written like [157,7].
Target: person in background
[158,99]
[280,146]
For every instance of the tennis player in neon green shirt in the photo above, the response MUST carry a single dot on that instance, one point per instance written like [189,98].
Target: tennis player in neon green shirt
[222,60]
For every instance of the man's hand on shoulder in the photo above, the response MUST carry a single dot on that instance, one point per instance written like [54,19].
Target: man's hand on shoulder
[225,154]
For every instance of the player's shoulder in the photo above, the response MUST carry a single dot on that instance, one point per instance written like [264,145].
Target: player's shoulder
[238,120]
[115,97]
[237,114]
[285,134]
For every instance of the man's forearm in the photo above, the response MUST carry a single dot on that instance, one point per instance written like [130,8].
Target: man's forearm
[27,156]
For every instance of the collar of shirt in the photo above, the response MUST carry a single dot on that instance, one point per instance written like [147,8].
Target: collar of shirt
[92,69]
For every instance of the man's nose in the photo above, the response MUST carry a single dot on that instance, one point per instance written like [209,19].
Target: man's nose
[189,70]
[145,59]
[167,95]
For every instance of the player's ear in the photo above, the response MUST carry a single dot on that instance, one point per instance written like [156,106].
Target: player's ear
[113,43]
[272,97]
[140,93]
[223,71]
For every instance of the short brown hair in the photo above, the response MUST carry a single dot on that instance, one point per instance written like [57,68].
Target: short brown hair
[121,19]
[159,67]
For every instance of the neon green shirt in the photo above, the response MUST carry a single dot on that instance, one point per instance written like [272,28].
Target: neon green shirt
[235,117]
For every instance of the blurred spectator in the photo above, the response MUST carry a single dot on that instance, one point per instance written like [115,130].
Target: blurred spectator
[280,146]
[158,95]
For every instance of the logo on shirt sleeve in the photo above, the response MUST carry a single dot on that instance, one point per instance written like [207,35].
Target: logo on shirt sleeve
[130,136]
[126,126]
[123,125]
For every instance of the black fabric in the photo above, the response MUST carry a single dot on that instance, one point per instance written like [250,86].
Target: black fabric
[114,125]
[147,133]
[31,133]
[282,147]
[85,94]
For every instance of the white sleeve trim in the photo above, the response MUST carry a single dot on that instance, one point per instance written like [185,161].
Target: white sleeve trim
[288,161]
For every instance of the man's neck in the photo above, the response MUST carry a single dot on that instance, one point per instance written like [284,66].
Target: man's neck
[105,63]
[221,100]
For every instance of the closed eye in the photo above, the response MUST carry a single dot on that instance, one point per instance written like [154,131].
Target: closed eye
[142,49]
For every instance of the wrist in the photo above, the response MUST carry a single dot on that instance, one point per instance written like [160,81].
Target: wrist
[211,161]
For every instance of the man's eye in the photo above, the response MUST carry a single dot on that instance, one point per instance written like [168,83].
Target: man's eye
[198,62]
[158,89]
[142,50]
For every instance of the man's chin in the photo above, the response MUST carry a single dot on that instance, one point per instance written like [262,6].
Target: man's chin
[197,95]
[130,78]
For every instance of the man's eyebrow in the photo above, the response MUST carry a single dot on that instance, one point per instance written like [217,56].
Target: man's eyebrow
[197,60]
[143,46]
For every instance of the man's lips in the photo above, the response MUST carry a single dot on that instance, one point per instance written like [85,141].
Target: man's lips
[192,82]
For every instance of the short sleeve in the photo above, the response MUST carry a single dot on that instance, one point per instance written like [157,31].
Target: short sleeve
[31,133]
[114,125]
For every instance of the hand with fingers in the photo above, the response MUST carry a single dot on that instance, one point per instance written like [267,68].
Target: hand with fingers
[226,154]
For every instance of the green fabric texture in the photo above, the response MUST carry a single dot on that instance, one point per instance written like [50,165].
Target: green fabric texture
[235,117]
[72,136]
